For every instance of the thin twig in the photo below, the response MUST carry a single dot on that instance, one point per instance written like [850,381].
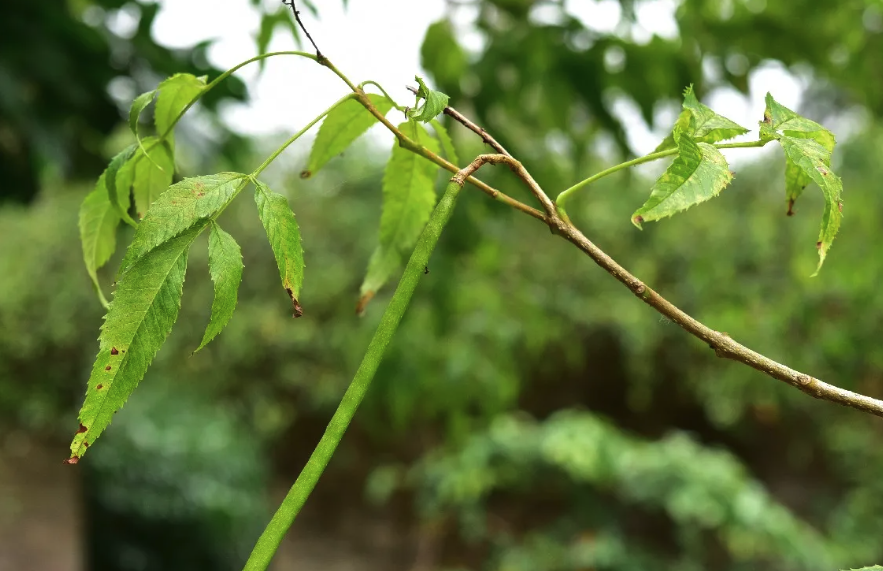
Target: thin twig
[296,12]
[521,172]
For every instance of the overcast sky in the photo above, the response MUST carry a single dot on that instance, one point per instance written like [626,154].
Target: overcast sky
[380,40]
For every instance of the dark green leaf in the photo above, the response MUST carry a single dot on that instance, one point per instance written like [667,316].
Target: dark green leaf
[284,237]
[442,55]
[434,103]
[98,225]
[141,316]
[138,106]
[447,144]
[346,123]
[408,199]
[175,93]
[119,198]
[813,160]
[153,173]
[225,266]
[179,208]
[699,172]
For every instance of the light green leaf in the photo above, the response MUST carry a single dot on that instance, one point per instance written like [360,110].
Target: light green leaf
[346,123]
[175,93]
[434,103]
[225,267]
[872,568]
[138,106]
[284,237]
[408,199]
[153,173]
[179,208]
[701,123]
[144,308]
[699,172]
[119,197]
[813,160]
[447,144]
[98,225]
[783,119]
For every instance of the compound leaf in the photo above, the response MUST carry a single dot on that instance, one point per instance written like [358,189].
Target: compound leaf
[153,172]
[284,237]
[699,172]
[98,224]
[175,93]
[408,199]
[346,123]
[138,321]
[225,267]
[179,208]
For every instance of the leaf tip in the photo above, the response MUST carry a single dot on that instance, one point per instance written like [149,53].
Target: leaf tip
[72,460]
[790,211]
[637,221]
[297,310]
[363,302]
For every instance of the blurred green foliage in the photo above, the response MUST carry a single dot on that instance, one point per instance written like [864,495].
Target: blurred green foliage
[529,407]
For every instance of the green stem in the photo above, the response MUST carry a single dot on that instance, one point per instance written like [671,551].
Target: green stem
[566,194]
[380,87]
[297,135]
[271,538]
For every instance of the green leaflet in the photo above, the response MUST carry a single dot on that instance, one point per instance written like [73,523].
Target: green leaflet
[701,123]
[813,160]
[138,106]
[119,194]
[346,123]
[98,225]
[446,143]
[284,237]
[140,318]
[179,208]
[225,267]
[699,172]
[153,173]
[175,93]
[434,103]
[269,23]
[777,117]
[408,199]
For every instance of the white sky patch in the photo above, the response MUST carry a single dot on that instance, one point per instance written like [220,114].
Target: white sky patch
[655,18]
[601,16]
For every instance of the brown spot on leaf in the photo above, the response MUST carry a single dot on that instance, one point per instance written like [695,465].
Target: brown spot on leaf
[107,368]
[306,174]
[840,207]
[72,460]
[85,444]
[818,245]
[82,429]
[99,387]
[767,118]
[639,219]
[114,351]
[790,207]
[363,302]
[298,311]
[140,216]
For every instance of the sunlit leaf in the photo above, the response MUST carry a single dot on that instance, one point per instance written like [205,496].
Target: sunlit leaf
[98,225]
[225,267]
[175,93]
[284,237]
[179,208]
[346,123]
[153,173]
[408,199]
[144,308]
[701,123]
[434,103]
[699,173]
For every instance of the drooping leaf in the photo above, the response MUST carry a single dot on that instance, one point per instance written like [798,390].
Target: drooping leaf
[269,23]
[701,123]
[141,316]
[408,199]
[346,123]
[138,106]
[179,208]
[175,93]
[434,103]
[447,144]
[813,160]
[699,173]
[153,173]
[225,267]
[777,117]
[119,198]
[284,237]
[98,225]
